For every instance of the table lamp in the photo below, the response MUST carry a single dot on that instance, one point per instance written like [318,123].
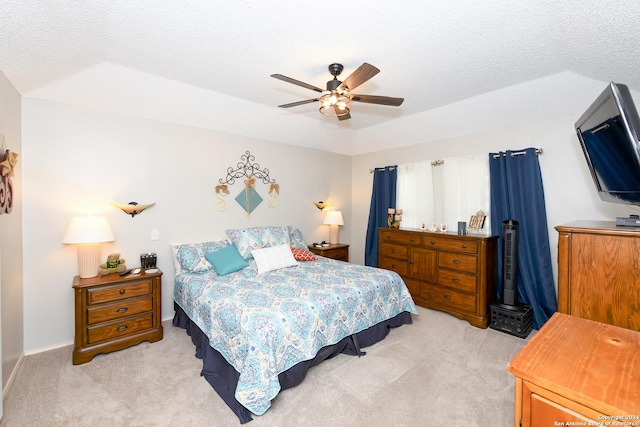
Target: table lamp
[88,232]
[333,219]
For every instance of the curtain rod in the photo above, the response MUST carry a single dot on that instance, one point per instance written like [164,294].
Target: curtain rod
[517,153]
[382,169]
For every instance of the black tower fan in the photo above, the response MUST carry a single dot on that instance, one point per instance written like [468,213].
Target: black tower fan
[510,316]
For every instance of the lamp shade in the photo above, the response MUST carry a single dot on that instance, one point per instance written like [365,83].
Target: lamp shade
[88,229]
[87,232]
[333,218]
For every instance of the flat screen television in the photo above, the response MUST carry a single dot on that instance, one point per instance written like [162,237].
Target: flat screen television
[608,132]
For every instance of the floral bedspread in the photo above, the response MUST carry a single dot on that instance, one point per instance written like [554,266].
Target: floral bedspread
[264,324]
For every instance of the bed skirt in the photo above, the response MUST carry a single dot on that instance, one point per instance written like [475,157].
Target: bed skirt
[224,378]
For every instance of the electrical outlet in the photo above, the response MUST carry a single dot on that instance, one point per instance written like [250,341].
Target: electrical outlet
[155,234]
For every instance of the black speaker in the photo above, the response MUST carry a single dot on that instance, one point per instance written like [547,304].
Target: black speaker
[510,262]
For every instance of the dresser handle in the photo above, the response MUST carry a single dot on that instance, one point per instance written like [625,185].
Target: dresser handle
[122,310]
[411,239]
[121,291]
[456,261]
[446,296]
[464,246]
[456,280]
[122,328]
[433,242]
[393,266]
[393,251]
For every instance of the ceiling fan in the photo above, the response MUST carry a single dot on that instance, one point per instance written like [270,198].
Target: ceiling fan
[336,99]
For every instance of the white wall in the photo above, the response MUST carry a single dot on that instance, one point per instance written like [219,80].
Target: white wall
[11,237]
[76,160]
[569,190]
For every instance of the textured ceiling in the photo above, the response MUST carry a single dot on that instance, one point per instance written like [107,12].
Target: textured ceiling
[208,64]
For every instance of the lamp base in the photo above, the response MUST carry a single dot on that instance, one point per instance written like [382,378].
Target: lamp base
[88,260]
[334,231]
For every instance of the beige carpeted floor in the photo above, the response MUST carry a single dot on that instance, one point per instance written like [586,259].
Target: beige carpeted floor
[438,371]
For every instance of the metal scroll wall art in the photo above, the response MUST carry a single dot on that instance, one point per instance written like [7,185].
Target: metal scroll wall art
[250,173]
[8,162]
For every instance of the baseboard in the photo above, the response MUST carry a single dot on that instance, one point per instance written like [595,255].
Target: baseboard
[51,347]
[12,376]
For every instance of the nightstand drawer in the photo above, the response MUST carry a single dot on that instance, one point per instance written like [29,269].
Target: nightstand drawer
[117,311]
[393,251]
[466,263]
[118,329]
[112,293]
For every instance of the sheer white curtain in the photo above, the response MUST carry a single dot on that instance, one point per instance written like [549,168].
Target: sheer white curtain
[414,194]
[465,189]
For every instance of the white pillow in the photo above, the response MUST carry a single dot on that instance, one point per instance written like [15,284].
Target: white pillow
[273,258]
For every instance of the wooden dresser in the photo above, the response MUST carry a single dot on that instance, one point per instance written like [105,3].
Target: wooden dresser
[114,312]
[599,272]
[444,271]
[579,371]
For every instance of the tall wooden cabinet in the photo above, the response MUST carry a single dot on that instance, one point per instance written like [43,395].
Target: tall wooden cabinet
[599,272]
[444,271]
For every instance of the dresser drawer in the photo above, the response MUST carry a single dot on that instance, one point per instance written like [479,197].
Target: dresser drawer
[409,238]
[393,251]
[118,329]
[117,311]
[448,297]
[459,262]
[413,286]
[466,246]
[460,281]
[399,266]
[116,292]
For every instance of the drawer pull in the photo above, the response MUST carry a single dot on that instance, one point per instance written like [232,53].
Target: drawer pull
[456,261]
[447,296]
[433,242]
[121,291]
[411,239]
[394,266]
[122,328]
[456,281]
[464,246]
[393,251]
[122,310]
[388,236]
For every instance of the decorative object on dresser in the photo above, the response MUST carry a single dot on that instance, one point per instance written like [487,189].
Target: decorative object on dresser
[338,251]
[444,271]
[599,272]
[88,232]
[394,217]
[580,371]
[333,219]
[114,312]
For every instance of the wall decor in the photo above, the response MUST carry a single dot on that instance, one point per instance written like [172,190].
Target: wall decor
[248,198]
[132,208]
[8,162]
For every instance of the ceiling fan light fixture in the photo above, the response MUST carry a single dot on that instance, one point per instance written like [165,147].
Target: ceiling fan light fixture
[335,104]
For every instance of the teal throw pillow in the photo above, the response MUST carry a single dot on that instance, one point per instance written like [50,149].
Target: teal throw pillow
[226,260]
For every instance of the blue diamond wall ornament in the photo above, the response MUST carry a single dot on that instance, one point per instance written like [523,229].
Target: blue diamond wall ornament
[249,199]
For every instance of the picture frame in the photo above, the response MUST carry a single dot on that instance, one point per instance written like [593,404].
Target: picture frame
[476,222]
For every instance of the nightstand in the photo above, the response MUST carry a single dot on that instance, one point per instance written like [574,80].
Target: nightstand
[338,251]
[114,312]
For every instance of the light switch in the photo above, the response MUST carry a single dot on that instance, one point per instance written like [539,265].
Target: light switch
[155,234]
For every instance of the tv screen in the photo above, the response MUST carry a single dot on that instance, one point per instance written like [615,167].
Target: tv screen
[608,133]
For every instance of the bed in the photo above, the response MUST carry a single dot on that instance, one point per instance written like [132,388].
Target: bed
[261,310]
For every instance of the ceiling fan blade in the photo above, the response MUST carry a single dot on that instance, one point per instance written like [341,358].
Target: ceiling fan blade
[295,104]
[359,76]
[296,82]
[344,117]
[382,100]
